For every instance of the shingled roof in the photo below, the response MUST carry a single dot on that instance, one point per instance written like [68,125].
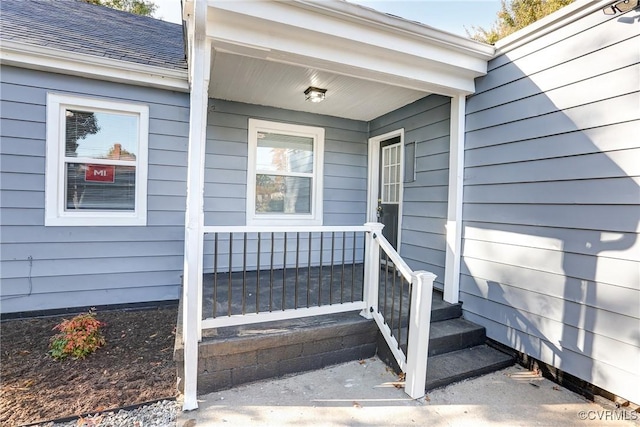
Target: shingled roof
[93,30]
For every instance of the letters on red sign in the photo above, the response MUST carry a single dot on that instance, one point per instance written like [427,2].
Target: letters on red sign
[100,173]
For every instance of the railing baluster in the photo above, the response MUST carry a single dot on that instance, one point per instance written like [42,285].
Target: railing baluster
[295,289]
[309,275]
[320,270]
[258,275]
[284,273]
[230,274]
[271,273]
[400,314]
[333,245]
[244,275]
[342,275]
[393,286]
[386,276]
[393,295]
[215,275]
[364,246]
[409,290]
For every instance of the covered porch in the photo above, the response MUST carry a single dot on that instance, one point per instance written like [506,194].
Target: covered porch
[250,64]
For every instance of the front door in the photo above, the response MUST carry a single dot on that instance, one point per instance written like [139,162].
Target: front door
[389,188]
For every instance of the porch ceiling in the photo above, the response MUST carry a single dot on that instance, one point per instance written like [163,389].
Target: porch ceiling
[268,53]
[262,82]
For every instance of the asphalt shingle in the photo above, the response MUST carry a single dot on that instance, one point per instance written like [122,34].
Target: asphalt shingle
[80,27]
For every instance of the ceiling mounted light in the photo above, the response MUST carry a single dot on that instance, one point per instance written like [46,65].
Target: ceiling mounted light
[314,94]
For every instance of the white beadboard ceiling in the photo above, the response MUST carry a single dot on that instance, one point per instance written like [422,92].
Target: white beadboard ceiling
[263,82]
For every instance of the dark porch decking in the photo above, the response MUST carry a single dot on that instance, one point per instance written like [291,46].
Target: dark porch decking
[291,288]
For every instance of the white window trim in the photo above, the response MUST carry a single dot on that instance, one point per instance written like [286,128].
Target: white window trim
[55,214]
[316,215]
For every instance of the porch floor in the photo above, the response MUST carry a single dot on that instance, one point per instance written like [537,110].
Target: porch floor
[306,287]
[311,286]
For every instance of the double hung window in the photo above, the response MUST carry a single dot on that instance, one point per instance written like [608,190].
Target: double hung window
[284,180]
[96,162]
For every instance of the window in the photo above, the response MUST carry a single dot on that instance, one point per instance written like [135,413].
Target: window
[284,179]
[96,162]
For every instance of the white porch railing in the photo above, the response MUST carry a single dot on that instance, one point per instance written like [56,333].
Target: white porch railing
[260,274]
[418,319]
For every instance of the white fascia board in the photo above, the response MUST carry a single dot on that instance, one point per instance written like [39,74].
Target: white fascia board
[403,26]
[72,63]
[549,23]
[347,55]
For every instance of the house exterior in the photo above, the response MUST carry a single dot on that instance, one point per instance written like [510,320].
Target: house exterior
[511,172]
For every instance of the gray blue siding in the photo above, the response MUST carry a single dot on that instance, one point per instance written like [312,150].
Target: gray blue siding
[345,162]
[424,216]
[80,266]
[345,171]
[551,257]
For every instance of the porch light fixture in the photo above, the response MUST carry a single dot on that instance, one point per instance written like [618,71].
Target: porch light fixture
[314,94]
[622,6]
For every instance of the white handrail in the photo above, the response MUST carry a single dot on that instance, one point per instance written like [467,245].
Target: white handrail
[282,229]
[394,256]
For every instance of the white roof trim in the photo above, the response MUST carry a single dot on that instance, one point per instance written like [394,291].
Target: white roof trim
[401,26]
[44,58]
[549,23]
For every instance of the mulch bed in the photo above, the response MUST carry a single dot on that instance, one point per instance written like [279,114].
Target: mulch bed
[135,366]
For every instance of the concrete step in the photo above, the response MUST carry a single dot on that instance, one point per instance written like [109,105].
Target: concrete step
[441,310]
[459,365]
[454,334]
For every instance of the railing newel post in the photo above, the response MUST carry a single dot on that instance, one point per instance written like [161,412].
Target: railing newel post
[419,331]
[371,268]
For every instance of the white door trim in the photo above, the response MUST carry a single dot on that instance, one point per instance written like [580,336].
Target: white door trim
[374,176]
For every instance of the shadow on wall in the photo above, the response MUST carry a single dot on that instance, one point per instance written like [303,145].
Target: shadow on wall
[552,203]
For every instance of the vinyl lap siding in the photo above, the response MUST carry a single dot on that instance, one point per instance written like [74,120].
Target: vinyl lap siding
[551,258]
[79,266]
[424,216]
[345,166]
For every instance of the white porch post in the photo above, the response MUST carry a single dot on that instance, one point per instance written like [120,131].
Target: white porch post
[371,270]
[419,332]
[454,208]
[200,65]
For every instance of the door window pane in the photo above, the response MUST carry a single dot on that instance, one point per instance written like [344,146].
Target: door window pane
[391,174]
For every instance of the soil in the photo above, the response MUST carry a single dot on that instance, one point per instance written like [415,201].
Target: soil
[135,366]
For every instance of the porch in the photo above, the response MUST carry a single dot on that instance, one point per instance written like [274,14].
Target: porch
[275,183]
[281,302]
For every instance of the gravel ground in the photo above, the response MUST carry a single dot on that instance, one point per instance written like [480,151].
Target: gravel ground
[159,414]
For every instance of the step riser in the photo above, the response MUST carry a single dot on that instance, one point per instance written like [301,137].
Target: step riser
[227,362]
[457,341]
[440,314]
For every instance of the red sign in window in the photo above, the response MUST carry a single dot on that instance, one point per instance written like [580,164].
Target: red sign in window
[100,173]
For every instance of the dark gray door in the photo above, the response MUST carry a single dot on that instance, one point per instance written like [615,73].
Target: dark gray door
[389,188]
